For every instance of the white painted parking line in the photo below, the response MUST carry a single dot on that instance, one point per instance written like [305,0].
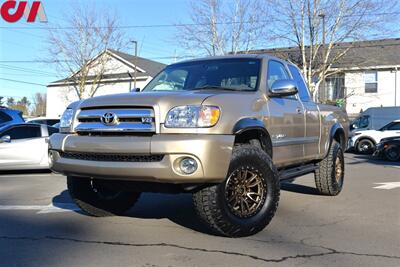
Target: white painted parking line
[387,186]
[43,209]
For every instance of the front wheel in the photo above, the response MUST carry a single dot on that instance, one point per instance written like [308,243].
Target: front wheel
[98,198]
[246,201]
[329,176]
[392,153]
[365,146]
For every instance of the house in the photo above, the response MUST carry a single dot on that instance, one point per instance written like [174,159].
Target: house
[118,77]
[367,76]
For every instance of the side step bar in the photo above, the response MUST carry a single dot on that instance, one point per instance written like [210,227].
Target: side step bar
[293,172]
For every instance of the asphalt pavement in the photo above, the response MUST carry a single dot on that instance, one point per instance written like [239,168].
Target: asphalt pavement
[40,226]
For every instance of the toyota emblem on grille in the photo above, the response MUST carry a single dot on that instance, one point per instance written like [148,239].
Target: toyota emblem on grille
[109,119]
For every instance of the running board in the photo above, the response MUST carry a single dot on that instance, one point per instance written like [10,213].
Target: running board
[296,171]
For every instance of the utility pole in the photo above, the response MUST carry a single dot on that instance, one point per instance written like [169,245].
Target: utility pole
[135,62]
[322,16]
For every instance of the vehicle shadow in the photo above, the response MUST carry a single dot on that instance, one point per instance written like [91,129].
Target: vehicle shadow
[177,208]
[355,159]
[23,172]
[298,188]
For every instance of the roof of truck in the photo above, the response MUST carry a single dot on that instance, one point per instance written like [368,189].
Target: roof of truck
[231,57]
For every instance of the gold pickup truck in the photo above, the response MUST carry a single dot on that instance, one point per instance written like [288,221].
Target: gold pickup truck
[228,129]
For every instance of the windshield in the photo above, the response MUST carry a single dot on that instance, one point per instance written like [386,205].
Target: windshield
[360,123]
[239,74]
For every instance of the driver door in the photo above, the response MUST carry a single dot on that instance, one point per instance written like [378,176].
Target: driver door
[27,147]
[285,123]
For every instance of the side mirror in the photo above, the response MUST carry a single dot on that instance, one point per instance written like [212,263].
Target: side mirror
[5,139]
[283,88]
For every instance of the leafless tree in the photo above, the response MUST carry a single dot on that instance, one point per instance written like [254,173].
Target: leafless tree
[299,23]
[219,27]
[39,105]
[79,47]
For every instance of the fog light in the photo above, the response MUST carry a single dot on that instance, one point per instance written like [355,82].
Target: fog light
[188,165]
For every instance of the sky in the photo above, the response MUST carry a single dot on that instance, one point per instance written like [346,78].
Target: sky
[29,43]
[20,49]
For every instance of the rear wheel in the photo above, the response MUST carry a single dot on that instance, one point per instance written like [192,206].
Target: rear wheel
[329,177]
[392,153]
[246,201]
[97,198]
[365,146]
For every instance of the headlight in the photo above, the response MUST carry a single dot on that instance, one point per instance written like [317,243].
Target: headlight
[66,120]
[192,117]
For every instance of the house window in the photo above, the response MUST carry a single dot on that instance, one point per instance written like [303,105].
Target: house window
[371,81]
[334,87]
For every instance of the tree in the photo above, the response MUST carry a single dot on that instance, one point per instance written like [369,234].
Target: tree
[219,27]
[39,105]
[10,102]
[1,100]
[299,23]
[22,105]
[79,48]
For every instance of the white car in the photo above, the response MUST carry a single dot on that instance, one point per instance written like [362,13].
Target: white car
[365,141]
[24,146]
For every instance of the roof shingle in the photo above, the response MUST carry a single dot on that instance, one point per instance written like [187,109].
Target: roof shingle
[362,54]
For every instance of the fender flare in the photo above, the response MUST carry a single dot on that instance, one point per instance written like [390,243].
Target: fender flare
[248,124]
[336,127]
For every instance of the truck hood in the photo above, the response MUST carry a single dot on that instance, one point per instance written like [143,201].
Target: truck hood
[163,101]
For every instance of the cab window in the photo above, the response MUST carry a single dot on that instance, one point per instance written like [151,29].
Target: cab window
[276,72]
[394,126]
[4,118]
[23,132]
[301,85]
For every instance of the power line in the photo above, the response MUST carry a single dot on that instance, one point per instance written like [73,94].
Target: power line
[21,69]
[25,74]
[181,24]
[337,46]
[34,61]
[24,82]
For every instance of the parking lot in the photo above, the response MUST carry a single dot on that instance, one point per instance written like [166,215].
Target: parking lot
[40,226]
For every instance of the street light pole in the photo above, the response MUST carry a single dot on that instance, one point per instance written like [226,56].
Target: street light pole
[135,62]
[322,16]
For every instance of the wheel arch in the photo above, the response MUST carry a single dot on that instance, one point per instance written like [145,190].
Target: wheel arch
[338,134]
[248,129]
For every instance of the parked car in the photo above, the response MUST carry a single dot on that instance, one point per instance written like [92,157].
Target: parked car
[365,141]
[374,118]
[44,120]
[8,116]
[389,148]
[24,146]
[228,129]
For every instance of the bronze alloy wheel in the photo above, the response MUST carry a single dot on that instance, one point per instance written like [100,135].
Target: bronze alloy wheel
[338,170]
[245,192]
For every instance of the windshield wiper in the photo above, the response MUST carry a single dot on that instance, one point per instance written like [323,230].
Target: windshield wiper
[216,87]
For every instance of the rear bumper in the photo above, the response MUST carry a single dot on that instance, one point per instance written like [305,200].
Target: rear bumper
[211,152]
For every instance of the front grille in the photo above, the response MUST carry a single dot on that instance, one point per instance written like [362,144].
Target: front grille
[125,120]
[112,157]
